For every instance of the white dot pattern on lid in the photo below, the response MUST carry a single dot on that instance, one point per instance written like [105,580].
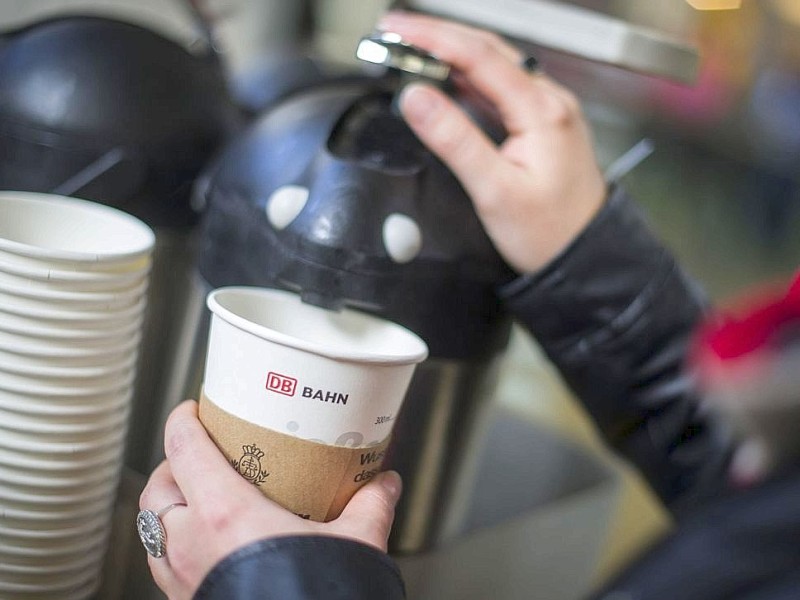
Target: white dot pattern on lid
[402,238]
[285,204]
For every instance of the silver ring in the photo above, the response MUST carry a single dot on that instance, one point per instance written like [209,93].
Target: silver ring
[151,530]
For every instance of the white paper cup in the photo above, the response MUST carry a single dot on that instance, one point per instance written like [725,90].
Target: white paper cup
[338,378]
[61,462]
[47,373]
[302,400]
[55,360]
[90,286]
[56,434]
[60,428]
[58,386]
[52,565]
[43,516]
[48,496]
[75,281]
[59,553]
[69,464]
[68,407]
[61,585]
[95,301]
[40,493]
[49,537]
[49,315]
[139,265]
[55,228]
[88,349]
[32,479]
[103,334]
[22,545]
[56,498]
[99,444]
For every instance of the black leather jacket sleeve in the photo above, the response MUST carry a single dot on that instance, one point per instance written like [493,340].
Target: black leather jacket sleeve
[304,568]
[614,313]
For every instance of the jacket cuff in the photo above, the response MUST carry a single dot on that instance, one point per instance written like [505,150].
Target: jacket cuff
[304,568]
[614,313]
[598,286]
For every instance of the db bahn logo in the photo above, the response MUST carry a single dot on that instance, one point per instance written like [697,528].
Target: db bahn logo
[281,384]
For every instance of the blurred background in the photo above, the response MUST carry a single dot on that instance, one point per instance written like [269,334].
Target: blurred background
[722,185]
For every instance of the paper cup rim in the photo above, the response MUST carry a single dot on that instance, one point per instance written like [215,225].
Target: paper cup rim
[72,390]
[72,333]
[81,581]
[71,406]
[55,533]
[63,485]
[47,518]
[43,275]
[38,479]
[87,298]
[109,440]
[96,209]
[40,427]
[62,462]
[44,350]
[37,498]
[75,316]
[78,373]
[217,308]
[87,557]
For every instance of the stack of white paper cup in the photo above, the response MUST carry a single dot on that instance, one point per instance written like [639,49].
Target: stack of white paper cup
[73,280]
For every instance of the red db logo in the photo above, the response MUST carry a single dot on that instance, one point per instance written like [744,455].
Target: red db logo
[281,384]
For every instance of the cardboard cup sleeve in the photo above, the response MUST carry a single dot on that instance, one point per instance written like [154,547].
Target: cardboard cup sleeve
[313,480]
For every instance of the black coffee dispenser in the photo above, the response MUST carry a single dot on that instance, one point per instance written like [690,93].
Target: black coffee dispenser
[109,111]
[330,195]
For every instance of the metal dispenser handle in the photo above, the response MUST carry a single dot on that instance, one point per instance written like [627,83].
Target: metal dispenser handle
[577,31]
[389,50]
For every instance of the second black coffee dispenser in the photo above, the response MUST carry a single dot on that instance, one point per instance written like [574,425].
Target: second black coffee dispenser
[330,195]
[110,111]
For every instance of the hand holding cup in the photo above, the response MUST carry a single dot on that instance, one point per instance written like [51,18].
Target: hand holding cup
[224,512]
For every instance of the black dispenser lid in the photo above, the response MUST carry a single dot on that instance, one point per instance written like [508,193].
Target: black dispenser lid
[329,194]
[109,111]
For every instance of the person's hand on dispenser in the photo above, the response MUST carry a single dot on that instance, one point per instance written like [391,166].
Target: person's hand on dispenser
[208,510]
[538,189]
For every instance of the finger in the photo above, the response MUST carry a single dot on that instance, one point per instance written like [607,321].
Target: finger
[163,575]
[450,134]
[490,64]
[161,489]
[370,512]
[200,470]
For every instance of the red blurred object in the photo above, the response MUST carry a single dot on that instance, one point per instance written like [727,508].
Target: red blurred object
[747,365]
[762,327]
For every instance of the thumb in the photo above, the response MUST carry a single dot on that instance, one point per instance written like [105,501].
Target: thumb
[369,515]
